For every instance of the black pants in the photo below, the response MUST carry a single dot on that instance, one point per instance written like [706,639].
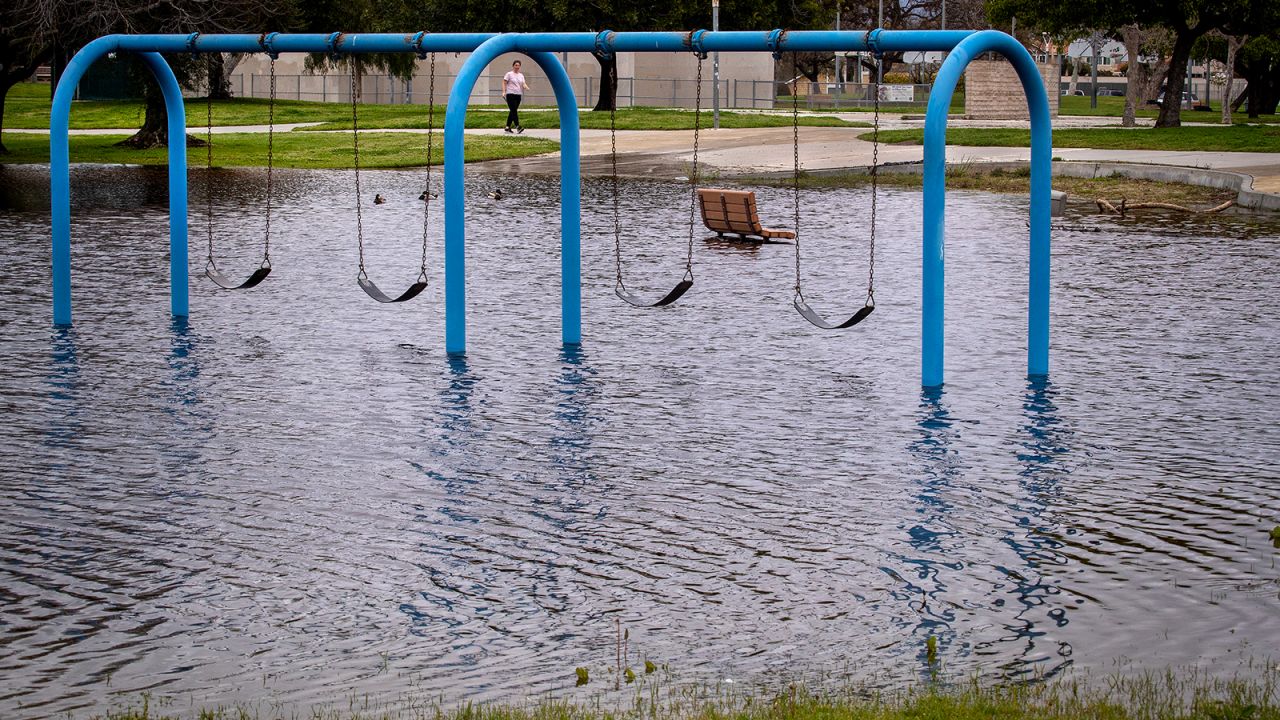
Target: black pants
[513,110]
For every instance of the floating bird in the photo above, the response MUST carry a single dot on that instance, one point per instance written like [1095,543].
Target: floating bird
[378,199]
[496,194]
[426,194]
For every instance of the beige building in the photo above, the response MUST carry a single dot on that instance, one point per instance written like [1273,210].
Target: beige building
[650,79]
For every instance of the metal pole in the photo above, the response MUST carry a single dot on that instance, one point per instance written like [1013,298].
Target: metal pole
[715,68]
[879,58]
[935,150]
[60,176]
[1093,72]
[839,64]
[455,294]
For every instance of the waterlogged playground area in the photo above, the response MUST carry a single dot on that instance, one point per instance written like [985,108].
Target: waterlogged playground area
[293,495]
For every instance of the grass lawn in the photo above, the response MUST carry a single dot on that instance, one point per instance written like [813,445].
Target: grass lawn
[27,106]
[292,150]
[1237,138]
[1114,107]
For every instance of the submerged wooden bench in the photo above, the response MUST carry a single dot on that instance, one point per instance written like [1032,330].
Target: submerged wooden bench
[734,212]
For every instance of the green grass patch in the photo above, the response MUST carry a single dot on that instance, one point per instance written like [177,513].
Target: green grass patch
[1237,138]
[1147,696]
[1110,106]
[292,150]
[27,106]
[1017,181]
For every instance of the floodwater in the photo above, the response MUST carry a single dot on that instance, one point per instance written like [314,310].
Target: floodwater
[297,498]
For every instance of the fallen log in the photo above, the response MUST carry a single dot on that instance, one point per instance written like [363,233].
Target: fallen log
[1106,206]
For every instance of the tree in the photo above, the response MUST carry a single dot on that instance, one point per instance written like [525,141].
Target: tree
[23,48]
[1188,20]
[72,23]
[1143,78]
[1258,62]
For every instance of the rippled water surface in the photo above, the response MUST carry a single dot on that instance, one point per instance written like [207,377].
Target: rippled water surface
[297,496]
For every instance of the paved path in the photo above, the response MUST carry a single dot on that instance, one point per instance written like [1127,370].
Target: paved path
[668,153]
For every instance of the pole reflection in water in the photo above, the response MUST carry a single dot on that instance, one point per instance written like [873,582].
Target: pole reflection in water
[446,530]
[1043,450]
[576,388]
[932,537]
[64,390]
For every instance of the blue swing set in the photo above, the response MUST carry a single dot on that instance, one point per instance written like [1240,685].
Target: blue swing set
[961,46]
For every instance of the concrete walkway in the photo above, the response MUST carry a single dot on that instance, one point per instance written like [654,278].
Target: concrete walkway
[755,151]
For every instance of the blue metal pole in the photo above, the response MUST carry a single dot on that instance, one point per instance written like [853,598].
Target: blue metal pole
[724,41]
[570,199]
[60,176]
[179,277]
[60,172]
[935,146]
[455,318]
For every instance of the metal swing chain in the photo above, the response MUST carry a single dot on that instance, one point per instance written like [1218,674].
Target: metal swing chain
[208,148]
[694,179]
[271,128]
[795,151]
[875,186]
[355,158]
[613,162]
[426,198]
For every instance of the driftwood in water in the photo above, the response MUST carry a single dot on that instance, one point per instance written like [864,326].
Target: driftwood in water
[1125,206]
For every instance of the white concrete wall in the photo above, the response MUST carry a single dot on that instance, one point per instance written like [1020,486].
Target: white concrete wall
[654,79]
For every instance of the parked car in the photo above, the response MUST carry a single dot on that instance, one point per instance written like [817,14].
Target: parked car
[1110,92]
[1188,98]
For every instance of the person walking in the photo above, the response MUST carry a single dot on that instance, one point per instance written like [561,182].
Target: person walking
[513,87]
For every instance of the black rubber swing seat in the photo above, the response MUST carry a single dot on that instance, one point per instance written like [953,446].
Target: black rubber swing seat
[227,283]
[633,299]
[818,321]
[372,291]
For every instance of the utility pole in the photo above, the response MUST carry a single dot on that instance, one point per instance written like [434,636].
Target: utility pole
[880,60]
[1093,70]
[839,66]
[715,67]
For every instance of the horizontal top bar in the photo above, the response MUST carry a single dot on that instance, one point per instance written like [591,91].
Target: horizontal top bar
[706,41]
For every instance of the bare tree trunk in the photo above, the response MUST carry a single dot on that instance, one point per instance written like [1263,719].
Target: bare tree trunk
[1075,73]
[155,125]
[219,83]
[1171,108]
[1234,42]
[1132,36]
[608,99]
[4,92]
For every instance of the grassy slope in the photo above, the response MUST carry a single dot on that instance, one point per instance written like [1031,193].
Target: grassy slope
[316,150]
[1237,138]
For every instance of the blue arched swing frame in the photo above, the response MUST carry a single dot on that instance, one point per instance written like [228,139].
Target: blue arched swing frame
[962,46]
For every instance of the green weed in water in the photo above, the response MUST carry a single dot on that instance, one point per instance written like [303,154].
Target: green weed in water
[583,676]
[1275,536]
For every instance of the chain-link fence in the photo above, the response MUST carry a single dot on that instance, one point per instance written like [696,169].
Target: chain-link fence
[632,91]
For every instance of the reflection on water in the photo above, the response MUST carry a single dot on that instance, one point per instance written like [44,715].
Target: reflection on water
[297,485]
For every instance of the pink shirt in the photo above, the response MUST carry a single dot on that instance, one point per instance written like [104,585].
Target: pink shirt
[513,82]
